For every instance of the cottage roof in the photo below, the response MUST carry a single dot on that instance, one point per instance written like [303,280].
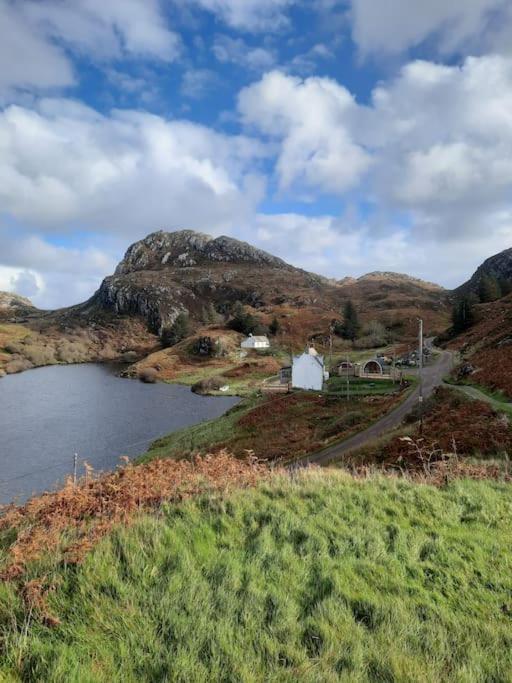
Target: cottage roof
[258,338]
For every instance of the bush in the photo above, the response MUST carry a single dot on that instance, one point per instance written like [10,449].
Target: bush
[204,386]
[40,355]
[18,365]
[148,375]
[204,346]
[178,331]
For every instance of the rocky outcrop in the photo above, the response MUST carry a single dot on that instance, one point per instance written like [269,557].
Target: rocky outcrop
[168,273]
[186,249]
[498,266]
[8,300]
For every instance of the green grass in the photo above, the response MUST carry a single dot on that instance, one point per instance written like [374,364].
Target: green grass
[316,579]
[201,437]
[360,386]
[497,399]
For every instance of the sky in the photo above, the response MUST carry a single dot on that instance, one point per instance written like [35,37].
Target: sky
[344,136]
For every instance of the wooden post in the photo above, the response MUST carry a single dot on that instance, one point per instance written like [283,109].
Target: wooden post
[420,397]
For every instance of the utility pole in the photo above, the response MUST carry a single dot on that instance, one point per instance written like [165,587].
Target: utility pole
[420,396]
[330,348]
[348,378]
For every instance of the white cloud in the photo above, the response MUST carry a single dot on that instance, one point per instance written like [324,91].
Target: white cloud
[312,120]
[442,142]
[65,165]
[393,26]
[198,82]
[237,51]
[249,15]
[28,59]
[32,34]
[51,276]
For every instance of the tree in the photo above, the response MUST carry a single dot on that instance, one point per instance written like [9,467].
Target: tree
[463,315]
[350,322]
[505,286]
[176,332]
[241,321]
[488,288]
[212,316]
[274,327]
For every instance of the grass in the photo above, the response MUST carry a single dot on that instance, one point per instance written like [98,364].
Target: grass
[498,399]
[281,427]
[317,578]
[202,437]
[360,386]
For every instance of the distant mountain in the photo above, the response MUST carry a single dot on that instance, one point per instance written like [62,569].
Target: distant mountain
[498,266]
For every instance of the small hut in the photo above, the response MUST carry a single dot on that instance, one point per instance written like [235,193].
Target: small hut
[346,368]
[372,367]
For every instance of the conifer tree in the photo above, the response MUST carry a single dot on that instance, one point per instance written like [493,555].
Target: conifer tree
[488,289]
[351,325]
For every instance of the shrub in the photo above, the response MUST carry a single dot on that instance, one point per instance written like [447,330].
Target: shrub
[211,384]
[148,375]
[40,355]
[18,365]
[178,331]
[204,346]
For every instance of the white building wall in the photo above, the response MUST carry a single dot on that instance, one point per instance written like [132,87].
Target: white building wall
[307,373]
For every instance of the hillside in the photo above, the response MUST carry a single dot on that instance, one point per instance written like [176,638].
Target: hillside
[319,577]
[398,300]
[486,347]
[167,273]
[498,266]
[13,306]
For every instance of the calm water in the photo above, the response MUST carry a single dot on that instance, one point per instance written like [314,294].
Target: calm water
[48,414]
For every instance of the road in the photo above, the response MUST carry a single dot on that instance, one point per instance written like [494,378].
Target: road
[432,377]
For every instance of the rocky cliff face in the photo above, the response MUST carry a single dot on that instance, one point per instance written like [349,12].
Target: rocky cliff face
[186,248]
[498,266]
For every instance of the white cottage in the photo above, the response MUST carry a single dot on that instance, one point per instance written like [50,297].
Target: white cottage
[308,371]
[255,342]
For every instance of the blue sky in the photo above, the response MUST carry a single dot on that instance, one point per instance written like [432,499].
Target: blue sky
[343,135]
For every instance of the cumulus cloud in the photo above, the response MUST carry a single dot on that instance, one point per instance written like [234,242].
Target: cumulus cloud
[442,141]
[249,15]
[40,64]
[50,275]
[393,26]
[228,50]
[198,82]
[64,165]
[35,33]
[312,120]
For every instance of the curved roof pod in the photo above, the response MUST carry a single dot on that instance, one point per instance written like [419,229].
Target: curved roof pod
[372,367]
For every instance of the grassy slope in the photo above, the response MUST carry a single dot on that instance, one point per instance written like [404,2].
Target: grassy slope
[321,578]
[278,427]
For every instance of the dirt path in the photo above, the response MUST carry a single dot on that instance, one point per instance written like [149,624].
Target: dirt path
[478,395]
[432,377]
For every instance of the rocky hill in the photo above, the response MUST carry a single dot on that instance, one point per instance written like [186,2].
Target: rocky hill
[10,301]
[498,266]
[168,273]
